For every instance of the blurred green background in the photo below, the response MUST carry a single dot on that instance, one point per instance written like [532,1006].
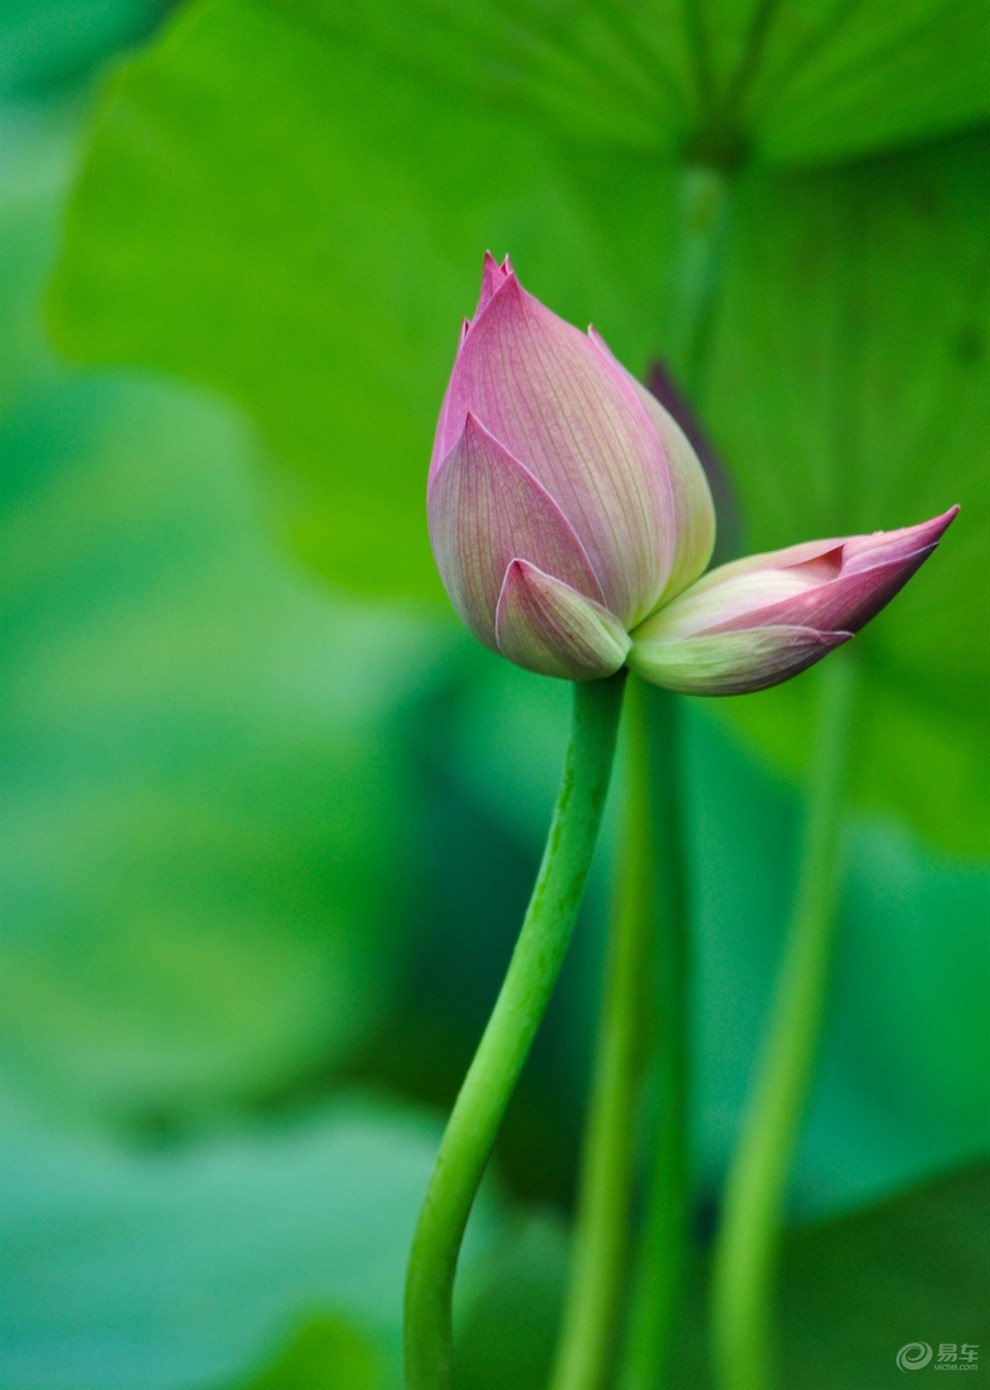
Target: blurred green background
[270,817]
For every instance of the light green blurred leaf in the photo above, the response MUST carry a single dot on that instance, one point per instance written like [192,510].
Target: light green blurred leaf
[40,141]
[50,43]
[199,774]
[201,785]
[899,1091]
[175,1269]
[326,1353]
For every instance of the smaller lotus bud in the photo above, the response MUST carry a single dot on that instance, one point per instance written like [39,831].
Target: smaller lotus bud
[758,621]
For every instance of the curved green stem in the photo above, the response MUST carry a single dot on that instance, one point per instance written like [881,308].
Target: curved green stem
[745,1255]
[592,1312]
[536,961]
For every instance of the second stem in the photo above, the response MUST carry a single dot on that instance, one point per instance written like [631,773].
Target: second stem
[745,1255]
[648,886]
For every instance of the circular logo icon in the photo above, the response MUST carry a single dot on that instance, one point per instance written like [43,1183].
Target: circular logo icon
[913,1356]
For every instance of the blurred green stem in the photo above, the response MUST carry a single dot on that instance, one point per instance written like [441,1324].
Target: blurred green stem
[663,1241]
[592,1313]
[746,1251]
[536,961]
[655,858]
[703,224]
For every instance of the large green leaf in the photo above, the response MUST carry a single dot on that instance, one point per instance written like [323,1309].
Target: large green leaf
[308,249]
[810,80]
[311,251]
[793,80]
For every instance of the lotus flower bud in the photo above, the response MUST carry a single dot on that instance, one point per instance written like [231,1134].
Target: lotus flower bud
[570,518]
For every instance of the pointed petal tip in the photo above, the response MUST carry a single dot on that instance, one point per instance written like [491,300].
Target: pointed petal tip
[903,542]
[476,432]
[925,532]
[493,277]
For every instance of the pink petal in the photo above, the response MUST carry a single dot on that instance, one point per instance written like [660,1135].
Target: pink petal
[732,663]
[861,552]
[492,276]
[847,603]
[828,585]
[485,509]
[857,552]
[454,408]
[569,415]
[548,627]
[694,510]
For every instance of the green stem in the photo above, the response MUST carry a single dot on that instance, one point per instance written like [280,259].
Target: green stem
[663,1243]
[704,208]
[745,1255]
[536,961]
[703,224]
[593,1307]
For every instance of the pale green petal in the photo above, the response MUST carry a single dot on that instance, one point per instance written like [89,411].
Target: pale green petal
[731,663]
[548,627]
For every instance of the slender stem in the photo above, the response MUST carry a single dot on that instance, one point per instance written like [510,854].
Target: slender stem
[592,1312]
[745,1255]
[661,1252]
[536,961]
[663,1242]
[703,225]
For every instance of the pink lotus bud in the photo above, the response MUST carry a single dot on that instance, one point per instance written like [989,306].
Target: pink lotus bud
[570,519]
[758,621]
[564,502]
